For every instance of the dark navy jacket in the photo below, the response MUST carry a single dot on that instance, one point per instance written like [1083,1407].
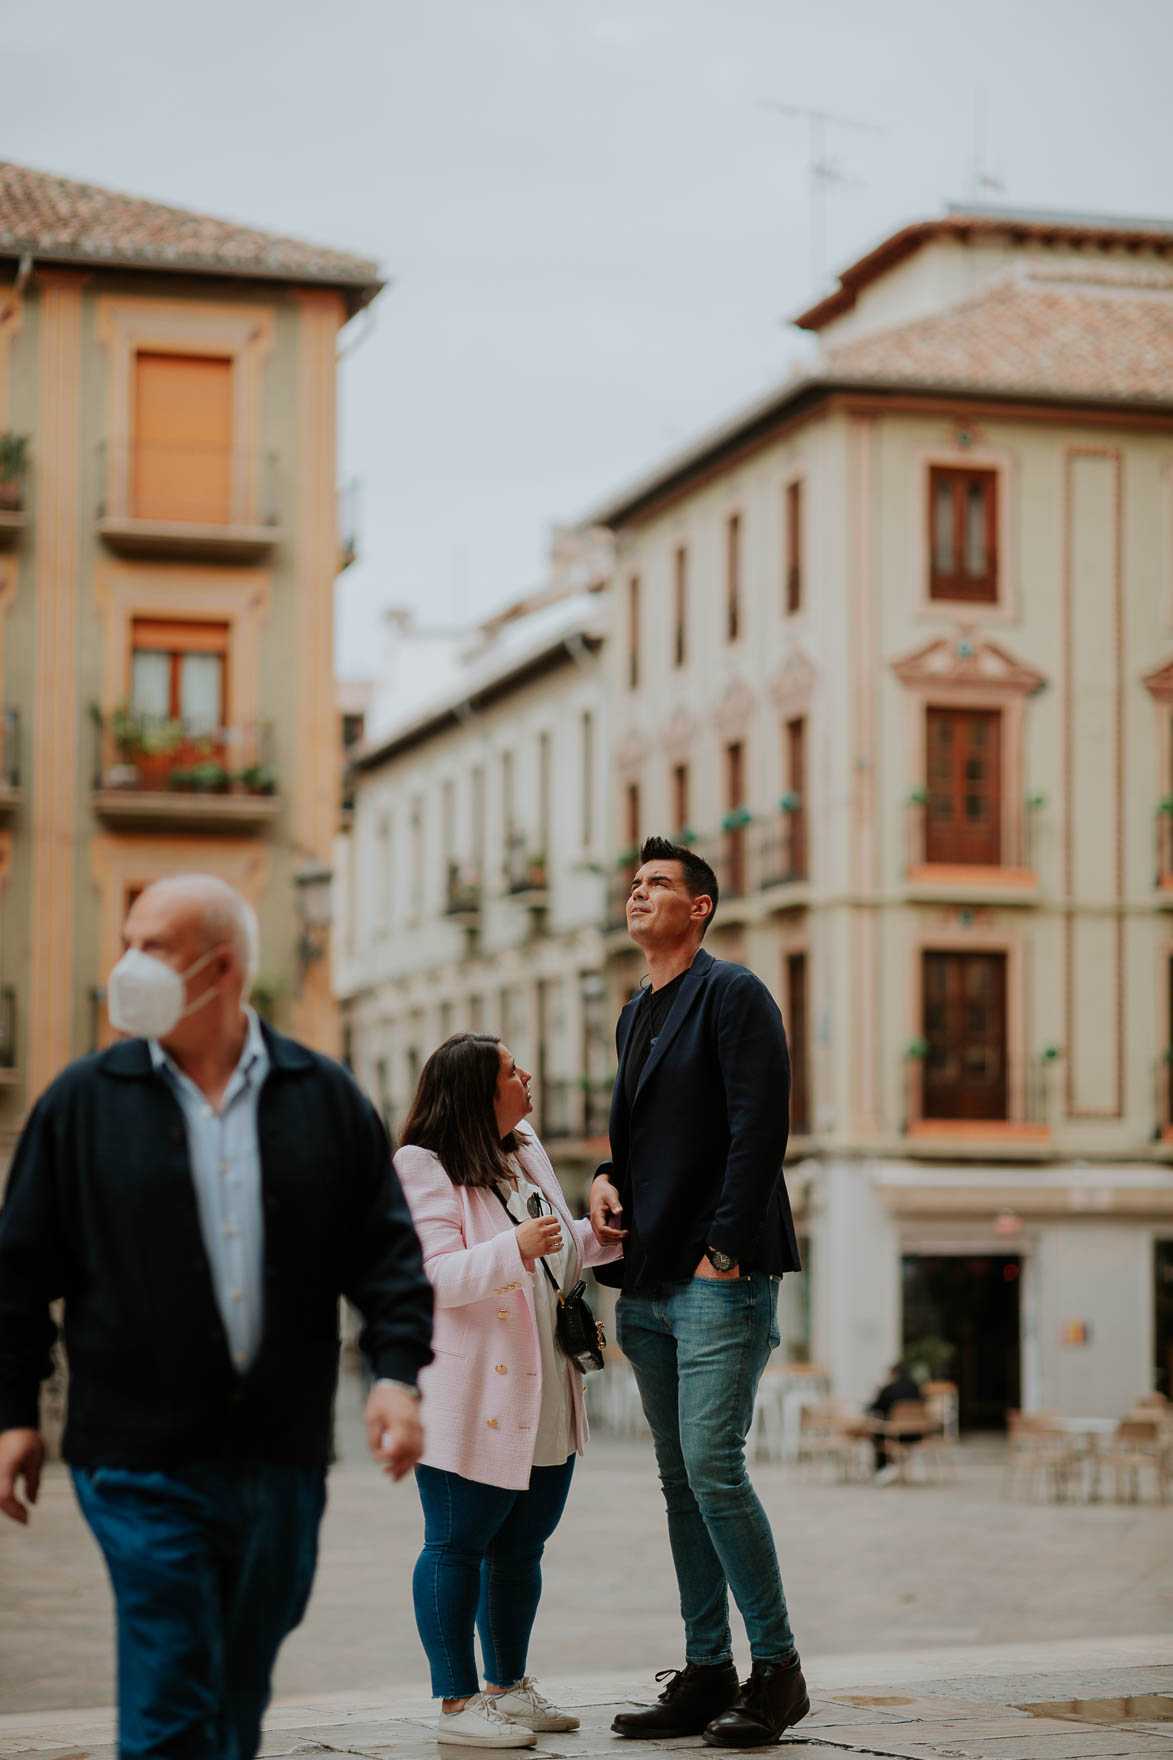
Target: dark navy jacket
[101,1211]
[698,1158]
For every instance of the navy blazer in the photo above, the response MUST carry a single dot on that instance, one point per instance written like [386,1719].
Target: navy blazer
[698,1157]
[101,1211]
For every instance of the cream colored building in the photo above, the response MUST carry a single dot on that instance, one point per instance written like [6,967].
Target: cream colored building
[469,888]
[895,646]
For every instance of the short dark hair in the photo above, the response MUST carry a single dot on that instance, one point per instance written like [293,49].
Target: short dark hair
[452,1113]
[699,878]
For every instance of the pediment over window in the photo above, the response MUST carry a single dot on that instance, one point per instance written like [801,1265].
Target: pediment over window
[680,733]
[964,661]
[632,751]
[1159,682]
[792,683]
[734,707]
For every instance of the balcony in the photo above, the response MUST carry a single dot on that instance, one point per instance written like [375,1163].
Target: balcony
[527,878]
[575,1110]
[989,869]
[188,500]
[971,1100]
[462,896]
[9,1068]
[151,773]
[9,761]
[1164,850]
[13,470]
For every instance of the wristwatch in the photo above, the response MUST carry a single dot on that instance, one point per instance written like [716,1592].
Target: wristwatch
[720,1261]
[407,1386]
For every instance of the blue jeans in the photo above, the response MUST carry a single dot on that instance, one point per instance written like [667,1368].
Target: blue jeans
[481,1567]
[698,1350]
[211,1568]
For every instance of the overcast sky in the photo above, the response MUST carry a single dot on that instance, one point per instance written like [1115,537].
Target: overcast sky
[593,227]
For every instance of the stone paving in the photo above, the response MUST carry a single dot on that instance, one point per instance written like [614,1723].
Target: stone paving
[926,1616]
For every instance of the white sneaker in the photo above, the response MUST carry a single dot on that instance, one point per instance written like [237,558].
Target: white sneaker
[523,1704]
[887,1476]
[481,1725]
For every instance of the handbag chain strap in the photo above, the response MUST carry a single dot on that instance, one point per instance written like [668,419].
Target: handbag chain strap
[554,1285]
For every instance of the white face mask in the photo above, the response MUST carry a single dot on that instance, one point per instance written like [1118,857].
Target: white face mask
[145,997]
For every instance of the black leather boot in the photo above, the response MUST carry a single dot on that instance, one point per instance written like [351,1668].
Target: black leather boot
[693,1697]
[772,1699]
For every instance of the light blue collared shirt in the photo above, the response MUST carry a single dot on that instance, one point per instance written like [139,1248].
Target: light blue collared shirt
[225,1158]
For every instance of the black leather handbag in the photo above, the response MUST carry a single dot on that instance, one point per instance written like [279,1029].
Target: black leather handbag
[580,1335]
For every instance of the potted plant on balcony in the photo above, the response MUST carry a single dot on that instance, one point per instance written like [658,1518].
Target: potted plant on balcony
[791,801]
[182,780]
[260,779]
[737,819]
[209,777]
[14,451]
[535,872]
[154,755]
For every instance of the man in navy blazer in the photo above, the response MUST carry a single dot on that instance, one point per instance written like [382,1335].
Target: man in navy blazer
[695,1191]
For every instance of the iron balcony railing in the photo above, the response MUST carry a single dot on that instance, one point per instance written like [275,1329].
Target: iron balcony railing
[580,1108]
[462,896]
[974,1084]
[781,854]
[152,754]
[1164,842]
[525,867]
[931,843]
[185,483]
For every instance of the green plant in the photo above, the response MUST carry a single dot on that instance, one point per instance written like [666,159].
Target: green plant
[1166,804]
[126,728]
[181,780]
[14,456]
[209,777]
[791,801]
[736,819]
[158,739]
[686,836]
[628,857]
[917,797]
[917,1050]
[261,779]
[1050,1053]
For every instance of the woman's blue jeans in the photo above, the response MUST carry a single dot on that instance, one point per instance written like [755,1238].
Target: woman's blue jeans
[481,1567]
[211,1568]
[698,1350]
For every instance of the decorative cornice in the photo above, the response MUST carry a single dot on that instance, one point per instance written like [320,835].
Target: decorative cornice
[679,734]
[965,660]
[734,707]
[632,751]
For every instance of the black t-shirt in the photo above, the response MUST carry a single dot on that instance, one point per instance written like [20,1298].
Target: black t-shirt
[646,1028]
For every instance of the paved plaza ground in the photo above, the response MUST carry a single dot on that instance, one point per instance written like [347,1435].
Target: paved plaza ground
[939,1594]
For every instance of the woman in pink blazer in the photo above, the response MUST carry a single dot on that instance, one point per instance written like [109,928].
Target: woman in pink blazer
[502,1405]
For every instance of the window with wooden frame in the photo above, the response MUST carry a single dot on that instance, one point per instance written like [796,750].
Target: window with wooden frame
[178,672]
[734,878]
[795,758]
[680,607]
[964,1004]
[680,798]
[963,534]
[182,459]
[792,523]
[633,611]
[963,777]
[633,810]
[733,577]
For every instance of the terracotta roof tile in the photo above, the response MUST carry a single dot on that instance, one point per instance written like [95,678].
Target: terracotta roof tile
[1107,334]
[61,220]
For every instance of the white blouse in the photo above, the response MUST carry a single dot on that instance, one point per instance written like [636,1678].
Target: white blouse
[556,1436]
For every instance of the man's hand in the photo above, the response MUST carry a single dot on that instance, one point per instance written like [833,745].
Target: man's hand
[394,1432]
[706,1269]
[22,1454]
[605,1212]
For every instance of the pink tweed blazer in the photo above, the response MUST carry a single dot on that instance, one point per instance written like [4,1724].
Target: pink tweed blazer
[482,1393]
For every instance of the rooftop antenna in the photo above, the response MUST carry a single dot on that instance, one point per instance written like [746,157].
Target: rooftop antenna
[982,179]
[823,171]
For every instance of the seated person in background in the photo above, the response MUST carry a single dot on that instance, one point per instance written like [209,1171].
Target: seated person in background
[898,1387]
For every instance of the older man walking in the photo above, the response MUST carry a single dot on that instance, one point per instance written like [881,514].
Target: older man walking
[200,1195]
[694,1188]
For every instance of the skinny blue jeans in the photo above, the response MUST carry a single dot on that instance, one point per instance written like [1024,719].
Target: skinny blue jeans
[481,1567]
[698,1350]
[211,1568]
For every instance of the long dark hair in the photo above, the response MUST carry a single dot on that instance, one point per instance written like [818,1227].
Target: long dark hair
[452,1113]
